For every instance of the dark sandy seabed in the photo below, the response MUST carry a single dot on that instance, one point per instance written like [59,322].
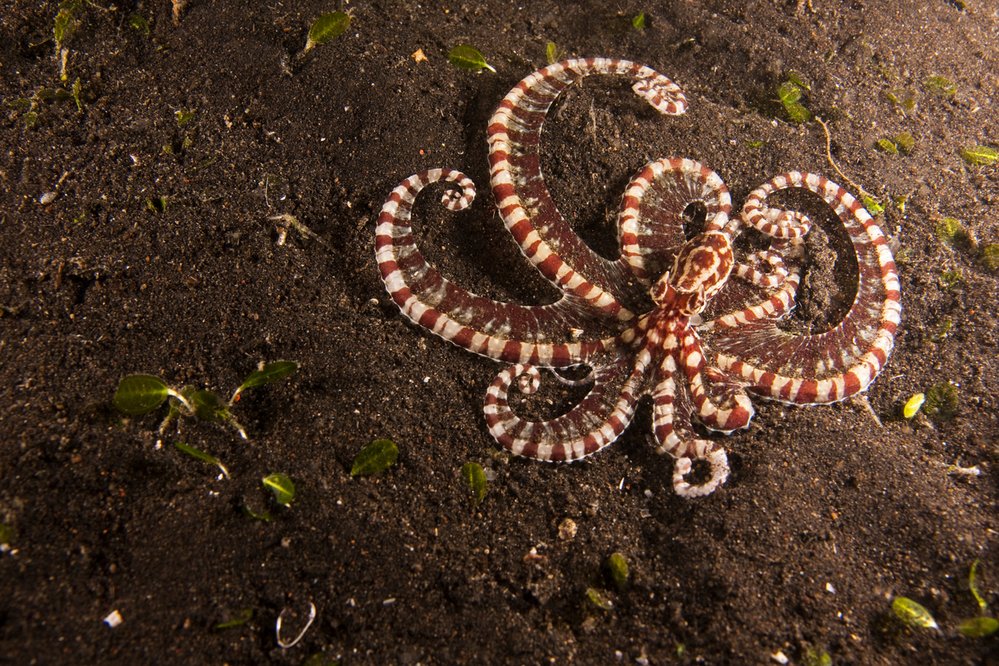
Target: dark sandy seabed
[826,517]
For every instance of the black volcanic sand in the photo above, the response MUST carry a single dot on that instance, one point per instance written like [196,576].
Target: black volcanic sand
[827,515]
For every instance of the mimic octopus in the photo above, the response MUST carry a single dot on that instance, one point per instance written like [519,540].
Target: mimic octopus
[692,324]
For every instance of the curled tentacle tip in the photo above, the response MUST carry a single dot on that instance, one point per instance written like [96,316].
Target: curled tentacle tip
[666,98]
[529,380]
[701,449]
[457,200]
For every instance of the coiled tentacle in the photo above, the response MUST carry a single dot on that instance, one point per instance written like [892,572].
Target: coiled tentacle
[504,331]
[527,208]
[829,366]
[596,421]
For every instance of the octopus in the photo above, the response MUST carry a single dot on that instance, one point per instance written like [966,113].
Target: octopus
[689,321]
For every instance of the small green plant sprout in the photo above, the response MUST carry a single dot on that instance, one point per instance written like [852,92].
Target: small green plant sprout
[913,404]
[376,457]
[990,257]
[980,155]
[978,627]
[983,625]
[755,143]
[65,24]
[203,456]
[30,108]
[617,570]
[141,394]
[887,146]
[475,477]
[983,605]
[267,373]
[913,614]
[183,116]
[281,486]
[326,27]
[553,53]
[790,93]
[942,401]
[638,21]
[238,620]
[287,222]
[940,85]
[466,56]
[157,204]
[599,599]
[815,656]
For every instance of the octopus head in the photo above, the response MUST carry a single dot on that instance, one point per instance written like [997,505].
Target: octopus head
[701,268]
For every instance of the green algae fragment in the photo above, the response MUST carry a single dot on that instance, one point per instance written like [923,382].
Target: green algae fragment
[376,457]
[913,614]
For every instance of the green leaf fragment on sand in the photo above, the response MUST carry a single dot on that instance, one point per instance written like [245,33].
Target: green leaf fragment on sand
[905,142]
[638,22]
[140,394]
[475,477]
[913,404]
[282,487]
[599,599]
[617,567]
[268,374]
[980,155]
[978,627]
[327,27]
[203,456]
[941,85]
[888,146]
[466,56]
[789,94]
[552,53]
[913,614]
[241,618]
[184,116]
[376,457]
[873,206]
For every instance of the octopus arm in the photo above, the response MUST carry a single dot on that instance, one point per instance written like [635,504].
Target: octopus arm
[526,205]
[825,367]
[499,330]
[590,425]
